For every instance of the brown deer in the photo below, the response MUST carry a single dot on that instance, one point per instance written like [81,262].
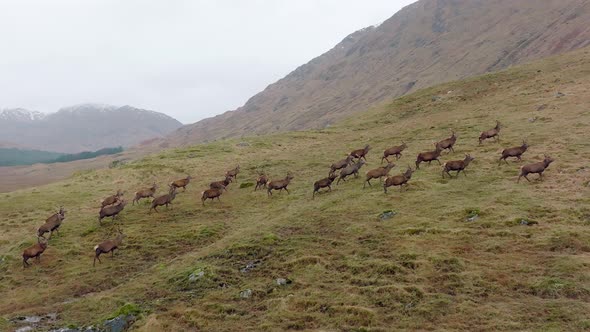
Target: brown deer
[211,194]
[378,173]
[361,153]
[448,143]
[516,151]
[349,170]
[164,199]
[456,165]
[52,223]
[145,193]
[538,168]
[108,246]
[34,251]
[394,151]
[111,210]
[429,156]
[261,181]
[279,184]
[112,199]
[233,173]
[398,180]
[492,133]
[324,183]
[222,185]
[341,164]
[182,183]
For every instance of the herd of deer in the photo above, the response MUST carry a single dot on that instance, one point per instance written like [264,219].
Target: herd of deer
[113,205]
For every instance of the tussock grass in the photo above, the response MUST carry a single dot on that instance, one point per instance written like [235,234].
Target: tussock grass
[426,268]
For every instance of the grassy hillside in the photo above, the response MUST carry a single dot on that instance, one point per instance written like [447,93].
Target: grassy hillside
[426,268]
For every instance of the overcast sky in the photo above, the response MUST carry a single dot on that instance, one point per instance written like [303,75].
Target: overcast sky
[188,59]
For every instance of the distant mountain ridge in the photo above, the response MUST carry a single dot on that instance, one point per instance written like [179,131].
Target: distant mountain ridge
[83,127]
[425,43]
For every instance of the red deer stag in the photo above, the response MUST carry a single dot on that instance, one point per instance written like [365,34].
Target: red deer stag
[394,151]
[111,210]
[538,168]
[492,133]
[52,223]
[341,164]
[112,199]
[323,183]
[378,173]
[398,180]
[457,166]
[145,193]
[429,156]
[211,194]
[349,170]
[182,183]
[279,184]
[448,143]
[516,151]
[34,251]
[164,199]
[108,246]
[361,153]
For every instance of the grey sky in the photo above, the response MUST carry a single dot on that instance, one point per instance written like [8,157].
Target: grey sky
[189,59]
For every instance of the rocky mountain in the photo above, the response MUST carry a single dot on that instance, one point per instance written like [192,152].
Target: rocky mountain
[85,127]
[428,42]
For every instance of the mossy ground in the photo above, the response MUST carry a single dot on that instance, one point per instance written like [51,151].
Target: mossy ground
[426,268]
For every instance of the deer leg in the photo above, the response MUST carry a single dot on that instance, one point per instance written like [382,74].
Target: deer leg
[329,188]
[464,173]
[25,263]
[156,209]
[287,190]
[438,161]
[451,147]
[527,178]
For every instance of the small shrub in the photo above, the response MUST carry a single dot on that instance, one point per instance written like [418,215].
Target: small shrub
[246,185]
[126,310]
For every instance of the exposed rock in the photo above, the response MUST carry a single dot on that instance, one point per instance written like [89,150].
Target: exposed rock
[119,324]
[24,329]
[196,276]
[559,95]
[283,281]
[525,222]
[387,214]
[245,294]
[250,266]
[473,218]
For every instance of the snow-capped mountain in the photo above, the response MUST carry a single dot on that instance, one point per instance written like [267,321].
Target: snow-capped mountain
[20,114]
[83,127]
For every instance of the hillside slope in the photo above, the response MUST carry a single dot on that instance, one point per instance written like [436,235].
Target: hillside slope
[426,43]
[85,127]
[427,268]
